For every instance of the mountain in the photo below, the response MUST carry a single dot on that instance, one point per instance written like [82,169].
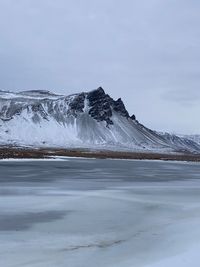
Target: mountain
[92,119]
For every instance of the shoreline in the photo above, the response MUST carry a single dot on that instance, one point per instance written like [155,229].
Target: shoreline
[44,153]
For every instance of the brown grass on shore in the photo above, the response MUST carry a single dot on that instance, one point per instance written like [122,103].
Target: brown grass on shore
[17,153]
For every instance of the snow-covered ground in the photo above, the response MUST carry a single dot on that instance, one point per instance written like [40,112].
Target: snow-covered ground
[105,213]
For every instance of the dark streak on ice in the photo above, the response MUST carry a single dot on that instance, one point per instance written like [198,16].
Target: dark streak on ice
[104,244]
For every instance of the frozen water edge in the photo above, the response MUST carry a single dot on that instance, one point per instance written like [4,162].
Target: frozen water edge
[97,213]
[64,158]
[28,159]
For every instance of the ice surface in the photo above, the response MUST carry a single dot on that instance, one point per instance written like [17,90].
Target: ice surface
[109,213]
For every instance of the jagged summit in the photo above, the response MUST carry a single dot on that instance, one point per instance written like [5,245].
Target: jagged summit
[98,91]
[103,106]
[88,119]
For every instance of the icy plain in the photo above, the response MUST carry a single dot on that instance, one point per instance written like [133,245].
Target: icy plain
[102,213]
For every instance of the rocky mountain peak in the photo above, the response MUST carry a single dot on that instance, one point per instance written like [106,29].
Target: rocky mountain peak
[103,106]
[119,106]
[100,105]
[96,94]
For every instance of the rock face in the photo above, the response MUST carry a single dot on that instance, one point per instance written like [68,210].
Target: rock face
[89,119]
[102,106]
[77,104]
[119,107]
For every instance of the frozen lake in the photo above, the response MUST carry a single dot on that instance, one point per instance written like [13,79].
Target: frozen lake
[99,213]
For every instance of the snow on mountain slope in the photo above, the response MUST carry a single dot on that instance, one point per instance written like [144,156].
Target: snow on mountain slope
[195,138]
[92,120]
[183,143]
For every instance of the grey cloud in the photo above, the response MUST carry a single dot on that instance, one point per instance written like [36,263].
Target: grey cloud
[188,97]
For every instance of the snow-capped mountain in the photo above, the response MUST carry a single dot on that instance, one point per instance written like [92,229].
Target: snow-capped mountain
[89,119]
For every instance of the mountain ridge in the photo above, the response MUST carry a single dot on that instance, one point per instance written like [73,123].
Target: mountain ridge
[88,119]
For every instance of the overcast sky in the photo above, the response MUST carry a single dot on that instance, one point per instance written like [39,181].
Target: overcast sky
[145,51]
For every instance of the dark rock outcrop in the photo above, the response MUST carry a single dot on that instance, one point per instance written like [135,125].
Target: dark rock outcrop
[118,106]
[133,117]
[77,103]
[102,106]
